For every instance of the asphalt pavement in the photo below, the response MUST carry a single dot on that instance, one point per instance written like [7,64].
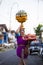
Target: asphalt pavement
[10,58]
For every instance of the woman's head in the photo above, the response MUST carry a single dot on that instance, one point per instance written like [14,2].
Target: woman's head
[22,33]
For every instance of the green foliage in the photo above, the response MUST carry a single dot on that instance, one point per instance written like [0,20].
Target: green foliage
[37,29]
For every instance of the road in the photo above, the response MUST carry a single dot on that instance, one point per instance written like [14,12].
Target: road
[10,58]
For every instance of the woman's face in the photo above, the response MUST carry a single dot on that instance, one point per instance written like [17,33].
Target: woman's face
[22,33]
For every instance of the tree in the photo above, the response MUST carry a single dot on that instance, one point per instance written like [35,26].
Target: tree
[37,29]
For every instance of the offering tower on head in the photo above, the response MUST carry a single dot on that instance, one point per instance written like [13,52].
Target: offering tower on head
[21,17]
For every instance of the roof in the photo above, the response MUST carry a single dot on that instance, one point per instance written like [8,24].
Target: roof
[4,26]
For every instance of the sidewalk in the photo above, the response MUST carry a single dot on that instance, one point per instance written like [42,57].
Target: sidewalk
[6,49]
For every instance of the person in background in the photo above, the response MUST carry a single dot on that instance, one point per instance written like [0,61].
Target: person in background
[12,38]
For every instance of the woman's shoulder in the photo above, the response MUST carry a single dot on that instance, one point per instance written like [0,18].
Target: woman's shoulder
[17,35]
